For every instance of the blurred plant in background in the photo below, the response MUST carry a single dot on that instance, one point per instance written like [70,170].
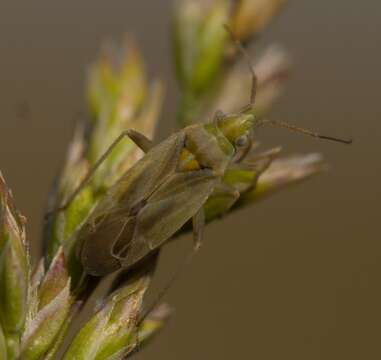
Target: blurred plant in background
[37,306]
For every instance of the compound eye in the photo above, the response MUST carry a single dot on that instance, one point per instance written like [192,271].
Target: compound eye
[241,141]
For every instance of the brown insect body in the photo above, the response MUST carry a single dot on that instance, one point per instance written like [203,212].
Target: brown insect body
[157,196]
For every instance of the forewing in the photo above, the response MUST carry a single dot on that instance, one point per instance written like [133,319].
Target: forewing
[99,241]
[168,209]
[140,181]
[107,224]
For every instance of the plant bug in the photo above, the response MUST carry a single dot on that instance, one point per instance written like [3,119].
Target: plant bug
[160,193]
[167,187]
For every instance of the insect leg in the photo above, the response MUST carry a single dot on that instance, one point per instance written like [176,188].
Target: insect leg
[198,222]
[167,286]
[140,140]
[136,137]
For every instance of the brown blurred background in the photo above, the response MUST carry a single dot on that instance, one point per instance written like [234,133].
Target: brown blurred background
[295,277]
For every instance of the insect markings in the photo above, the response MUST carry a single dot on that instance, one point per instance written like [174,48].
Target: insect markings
[161,192]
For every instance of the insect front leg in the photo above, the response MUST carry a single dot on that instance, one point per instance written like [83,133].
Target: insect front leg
[139,139]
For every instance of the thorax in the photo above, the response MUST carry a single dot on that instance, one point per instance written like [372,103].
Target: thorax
[205,147]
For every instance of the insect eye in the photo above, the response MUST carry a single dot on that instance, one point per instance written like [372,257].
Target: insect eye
[241,141]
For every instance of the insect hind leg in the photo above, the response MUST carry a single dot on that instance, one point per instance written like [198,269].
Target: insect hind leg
[167,286]
[139,139]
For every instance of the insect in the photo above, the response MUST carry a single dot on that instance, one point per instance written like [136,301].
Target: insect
[167,188]
[161,192]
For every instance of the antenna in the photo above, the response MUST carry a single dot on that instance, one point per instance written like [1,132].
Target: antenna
[245,54]
[253,94]
[297,129]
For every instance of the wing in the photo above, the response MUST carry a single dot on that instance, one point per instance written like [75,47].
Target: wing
[96,252]
[140,181]
[168,209]
[107,225]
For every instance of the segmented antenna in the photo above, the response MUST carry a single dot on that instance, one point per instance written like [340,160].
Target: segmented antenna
[253,94]
[242,50]
[297,129]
